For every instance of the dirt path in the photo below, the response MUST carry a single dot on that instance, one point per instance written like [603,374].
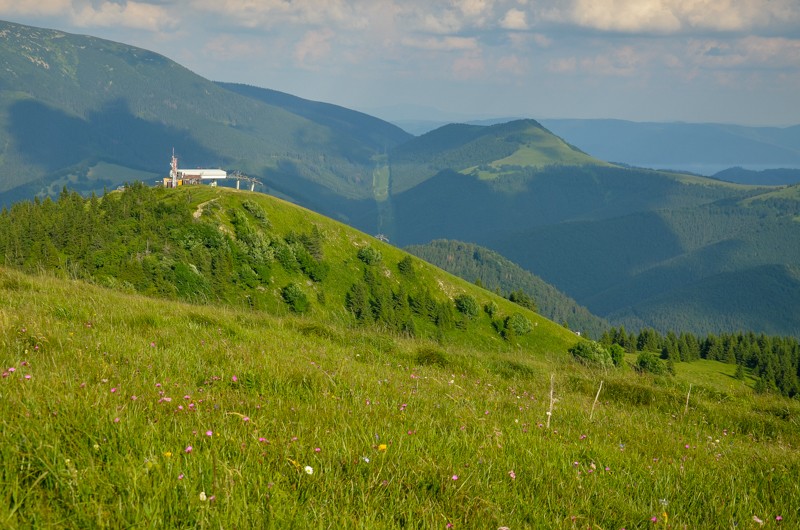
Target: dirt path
[197,213]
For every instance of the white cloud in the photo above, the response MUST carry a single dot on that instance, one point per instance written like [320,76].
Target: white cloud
[98,14]
[748,53]
[313,47]
[43,7]
[469,66]
[514,19]
[563,65]
[135,15]
[441,43]
[511,64]
[672,16]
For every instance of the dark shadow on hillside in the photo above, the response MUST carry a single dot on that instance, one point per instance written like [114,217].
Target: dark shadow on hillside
[54,140]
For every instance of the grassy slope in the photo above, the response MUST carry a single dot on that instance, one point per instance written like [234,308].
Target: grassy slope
[111,427]
[481,151]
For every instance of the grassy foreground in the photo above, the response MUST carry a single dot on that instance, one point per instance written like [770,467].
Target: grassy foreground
[118,410]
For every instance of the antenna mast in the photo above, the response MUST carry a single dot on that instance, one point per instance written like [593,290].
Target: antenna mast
[173,171]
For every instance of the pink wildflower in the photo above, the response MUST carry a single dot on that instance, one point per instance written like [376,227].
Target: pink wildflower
[512,475]
[234,378]
[188,449]
[209,433]
[454,477]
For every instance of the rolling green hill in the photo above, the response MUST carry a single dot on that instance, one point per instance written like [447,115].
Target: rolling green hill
[496,273]
[481,151]
[250,250]
[70,103]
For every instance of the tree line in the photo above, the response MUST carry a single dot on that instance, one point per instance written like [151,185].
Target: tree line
[773,360]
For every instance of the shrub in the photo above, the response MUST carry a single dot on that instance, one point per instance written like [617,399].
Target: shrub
[490,308]
[467,305]
[295,298]
[428,356]
[592,353]
[648,362]
[523,299]
[617,354]
[519,324]
[369,255]
[406,267]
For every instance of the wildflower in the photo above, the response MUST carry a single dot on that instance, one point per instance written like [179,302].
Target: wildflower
[583,437]
[449,525]
[512,475]
[309,470]
[180,477]
[382,447]
[134,398]
[209,433]
[365,459]
[317,449]
[757,520]
[96,447]
[246,418]
[262,440]
[116,420]
[203,497]
[654,519]
[168,454]
[778,518]
[114,390]
[454,477]
[234,378]
[188,449]
[12,370]
[27,376]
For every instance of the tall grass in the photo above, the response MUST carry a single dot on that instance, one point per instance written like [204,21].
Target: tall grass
[123,411]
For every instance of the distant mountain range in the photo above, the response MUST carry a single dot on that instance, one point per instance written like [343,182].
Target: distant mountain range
[636,246]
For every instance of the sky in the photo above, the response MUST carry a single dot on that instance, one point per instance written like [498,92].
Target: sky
[725,61]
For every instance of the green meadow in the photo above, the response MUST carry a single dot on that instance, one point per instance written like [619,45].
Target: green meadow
[124,411]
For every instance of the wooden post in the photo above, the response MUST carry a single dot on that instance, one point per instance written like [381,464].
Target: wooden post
[686,408]
[595,400]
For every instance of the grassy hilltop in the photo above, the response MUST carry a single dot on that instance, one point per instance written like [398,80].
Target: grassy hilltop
[141,405]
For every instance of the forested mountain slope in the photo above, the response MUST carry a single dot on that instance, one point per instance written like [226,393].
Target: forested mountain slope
[496,273]
[92,113]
